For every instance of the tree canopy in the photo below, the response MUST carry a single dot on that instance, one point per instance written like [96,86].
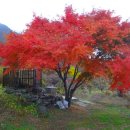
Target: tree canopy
[94,44]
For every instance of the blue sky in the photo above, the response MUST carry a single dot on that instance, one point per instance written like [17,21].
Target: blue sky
[17,13]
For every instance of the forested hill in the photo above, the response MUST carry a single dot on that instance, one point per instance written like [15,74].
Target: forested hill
[4,30]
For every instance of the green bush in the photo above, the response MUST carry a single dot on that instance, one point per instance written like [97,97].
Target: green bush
[13,102]
[1,74]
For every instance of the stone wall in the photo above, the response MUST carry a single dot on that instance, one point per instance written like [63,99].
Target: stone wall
[36,95]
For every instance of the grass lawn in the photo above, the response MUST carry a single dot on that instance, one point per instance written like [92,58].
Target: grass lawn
[94,118]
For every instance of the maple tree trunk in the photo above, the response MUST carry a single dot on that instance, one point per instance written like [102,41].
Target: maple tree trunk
[70,88]
[69,100]
[120,93]
[68,93]
[68,97]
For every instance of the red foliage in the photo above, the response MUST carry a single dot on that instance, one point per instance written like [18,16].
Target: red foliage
[120,69]
[76,40]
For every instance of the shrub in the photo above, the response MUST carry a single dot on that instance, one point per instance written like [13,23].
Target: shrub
[13,102]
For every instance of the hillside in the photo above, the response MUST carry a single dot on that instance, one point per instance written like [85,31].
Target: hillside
[3,30]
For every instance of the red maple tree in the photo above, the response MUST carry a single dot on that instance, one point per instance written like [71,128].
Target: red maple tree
[91,43]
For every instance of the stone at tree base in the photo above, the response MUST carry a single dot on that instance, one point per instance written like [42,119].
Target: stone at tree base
[65,103]
[60,105]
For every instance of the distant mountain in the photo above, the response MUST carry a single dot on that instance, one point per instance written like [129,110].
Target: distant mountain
[4,30]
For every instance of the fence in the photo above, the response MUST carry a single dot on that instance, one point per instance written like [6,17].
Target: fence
[22,78]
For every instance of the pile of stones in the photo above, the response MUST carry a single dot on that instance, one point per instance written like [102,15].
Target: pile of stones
[35,95]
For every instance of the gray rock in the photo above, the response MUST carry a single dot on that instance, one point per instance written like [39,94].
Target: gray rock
[9,90]
[42,109]
[39,101]
[51,90]
[41,98]
[18,94]
[24,91]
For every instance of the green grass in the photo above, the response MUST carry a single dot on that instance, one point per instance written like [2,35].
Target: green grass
[13,102]
[14,116]
[109,118]
[22,126]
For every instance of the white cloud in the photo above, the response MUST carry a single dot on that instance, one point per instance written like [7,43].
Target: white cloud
[17,13]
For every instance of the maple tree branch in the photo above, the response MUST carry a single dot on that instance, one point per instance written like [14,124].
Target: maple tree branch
[66,72]
[63,77]
[79,83]
[59,72]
